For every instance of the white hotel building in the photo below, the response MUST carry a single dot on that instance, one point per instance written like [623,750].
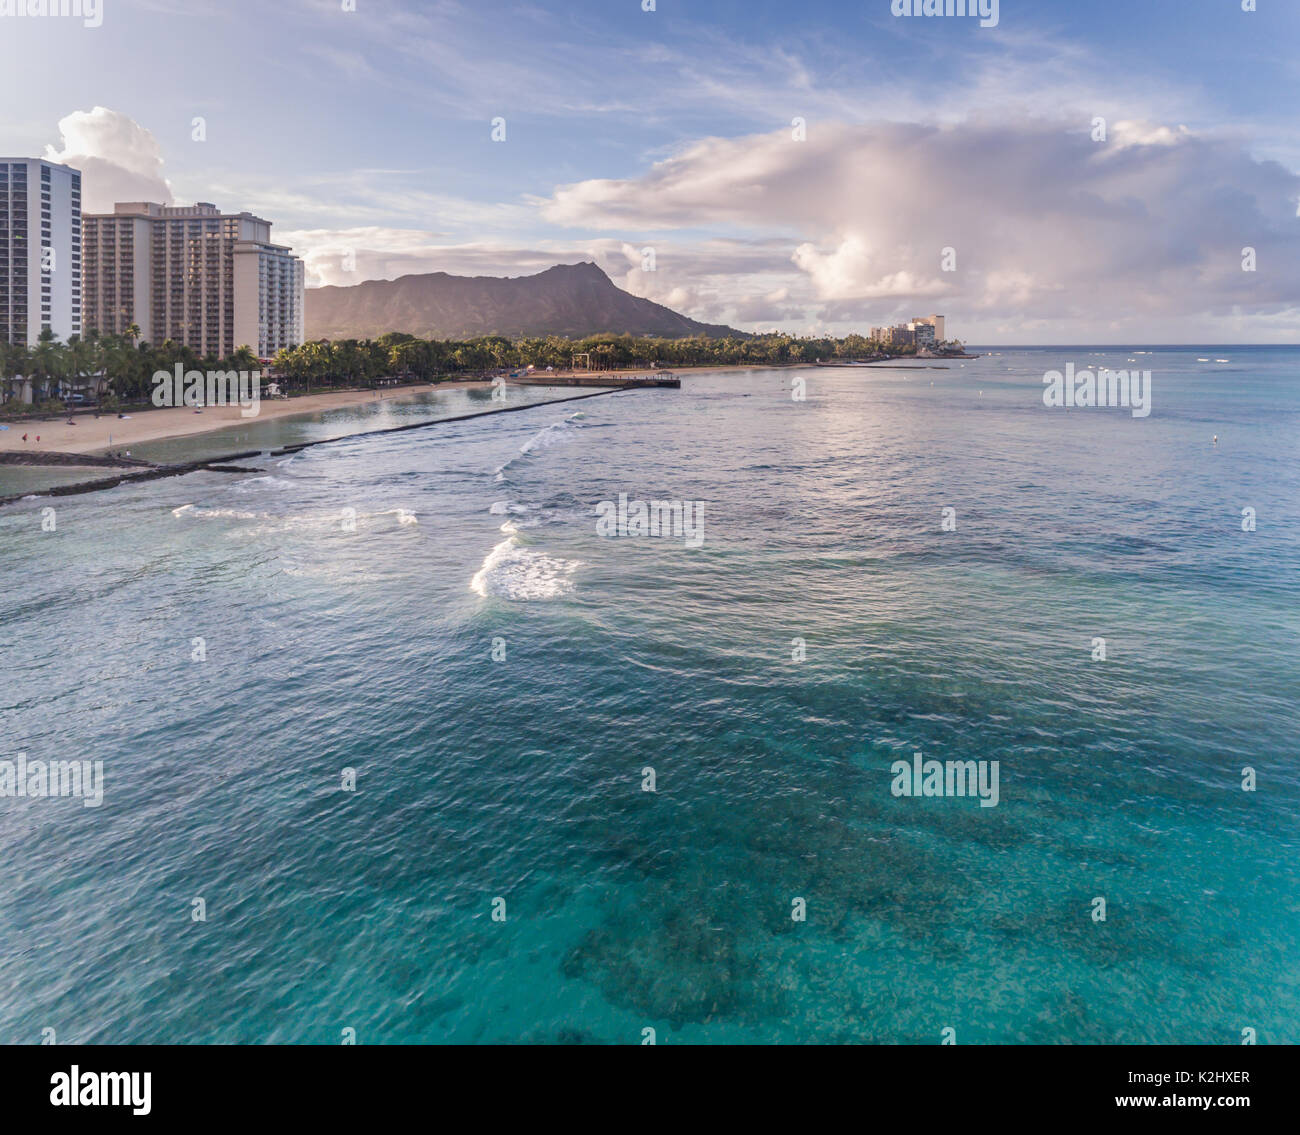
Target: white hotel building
[40,250]
[210,280]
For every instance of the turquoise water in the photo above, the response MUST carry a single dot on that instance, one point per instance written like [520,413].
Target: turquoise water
[17,479]
[293,429]
[380,414]
[521,778]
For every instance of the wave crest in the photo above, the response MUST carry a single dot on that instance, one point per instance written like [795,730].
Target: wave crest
[514,571]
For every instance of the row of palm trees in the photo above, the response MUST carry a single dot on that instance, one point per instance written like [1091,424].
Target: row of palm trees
[361,361]
[120,367]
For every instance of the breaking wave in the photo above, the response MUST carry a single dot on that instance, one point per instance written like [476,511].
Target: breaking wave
[545,438]
[513,571]
[323,520]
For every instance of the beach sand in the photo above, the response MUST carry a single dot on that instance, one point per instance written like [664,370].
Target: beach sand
[92,434]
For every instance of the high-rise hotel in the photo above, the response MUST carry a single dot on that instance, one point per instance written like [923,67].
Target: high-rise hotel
[40,250]
[210,280]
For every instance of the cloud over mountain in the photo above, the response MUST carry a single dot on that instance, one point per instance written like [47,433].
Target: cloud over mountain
[573,300]
[1043,222]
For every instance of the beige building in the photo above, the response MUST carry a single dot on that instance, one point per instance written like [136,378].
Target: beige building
[922,332]
[896,336]
[212,281]
[935,321]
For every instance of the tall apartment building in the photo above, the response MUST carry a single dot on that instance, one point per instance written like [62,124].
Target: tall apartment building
[207,279]
[40,250]
[923,330]
[934,321]
[920,331]
[896,336]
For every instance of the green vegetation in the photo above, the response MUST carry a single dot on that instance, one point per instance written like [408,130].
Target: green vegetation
[112,368]
[357,362]
[119,369]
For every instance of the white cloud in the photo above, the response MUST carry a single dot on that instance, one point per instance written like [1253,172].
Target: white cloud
[708,280]
[119,159]
[1044,222]
[351,256]
[1054,234]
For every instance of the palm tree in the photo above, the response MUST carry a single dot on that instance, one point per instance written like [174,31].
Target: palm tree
[242,359]
[14,366]
[46,363]
[118,364]
[79,361]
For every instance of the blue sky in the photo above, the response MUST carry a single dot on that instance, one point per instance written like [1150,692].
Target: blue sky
[366,137]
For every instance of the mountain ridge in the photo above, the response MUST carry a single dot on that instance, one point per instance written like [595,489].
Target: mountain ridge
[569,300]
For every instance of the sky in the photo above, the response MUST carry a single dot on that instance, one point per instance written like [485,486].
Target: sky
[1078,172]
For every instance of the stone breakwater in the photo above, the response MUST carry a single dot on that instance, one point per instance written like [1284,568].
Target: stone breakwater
[71,460]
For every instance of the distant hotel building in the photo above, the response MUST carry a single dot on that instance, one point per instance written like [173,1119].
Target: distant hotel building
[40,250]
[896,336]
[921,331]
[209,280]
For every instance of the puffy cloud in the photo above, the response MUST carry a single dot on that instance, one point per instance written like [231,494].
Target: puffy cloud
[119,159]
[353,255]
[1043,222]
[1055,236]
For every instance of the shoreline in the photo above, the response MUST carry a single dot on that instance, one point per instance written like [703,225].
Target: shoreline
[222,464]
[92,435]
[96,436]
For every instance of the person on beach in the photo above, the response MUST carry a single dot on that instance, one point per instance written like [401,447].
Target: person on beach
[24,437]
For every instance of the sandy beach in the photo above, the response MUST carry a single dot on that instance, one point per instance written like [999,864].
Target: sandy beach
[94,435]
[91,434]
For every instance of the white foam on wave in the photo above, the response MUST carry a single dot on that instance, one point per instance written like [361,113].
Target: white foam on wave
[227,513]
[513,571]
[324,520]
[263,483]
[543,439]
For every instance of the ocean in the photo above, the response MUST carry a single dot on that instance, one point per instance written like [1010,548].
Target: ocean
[377,722]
